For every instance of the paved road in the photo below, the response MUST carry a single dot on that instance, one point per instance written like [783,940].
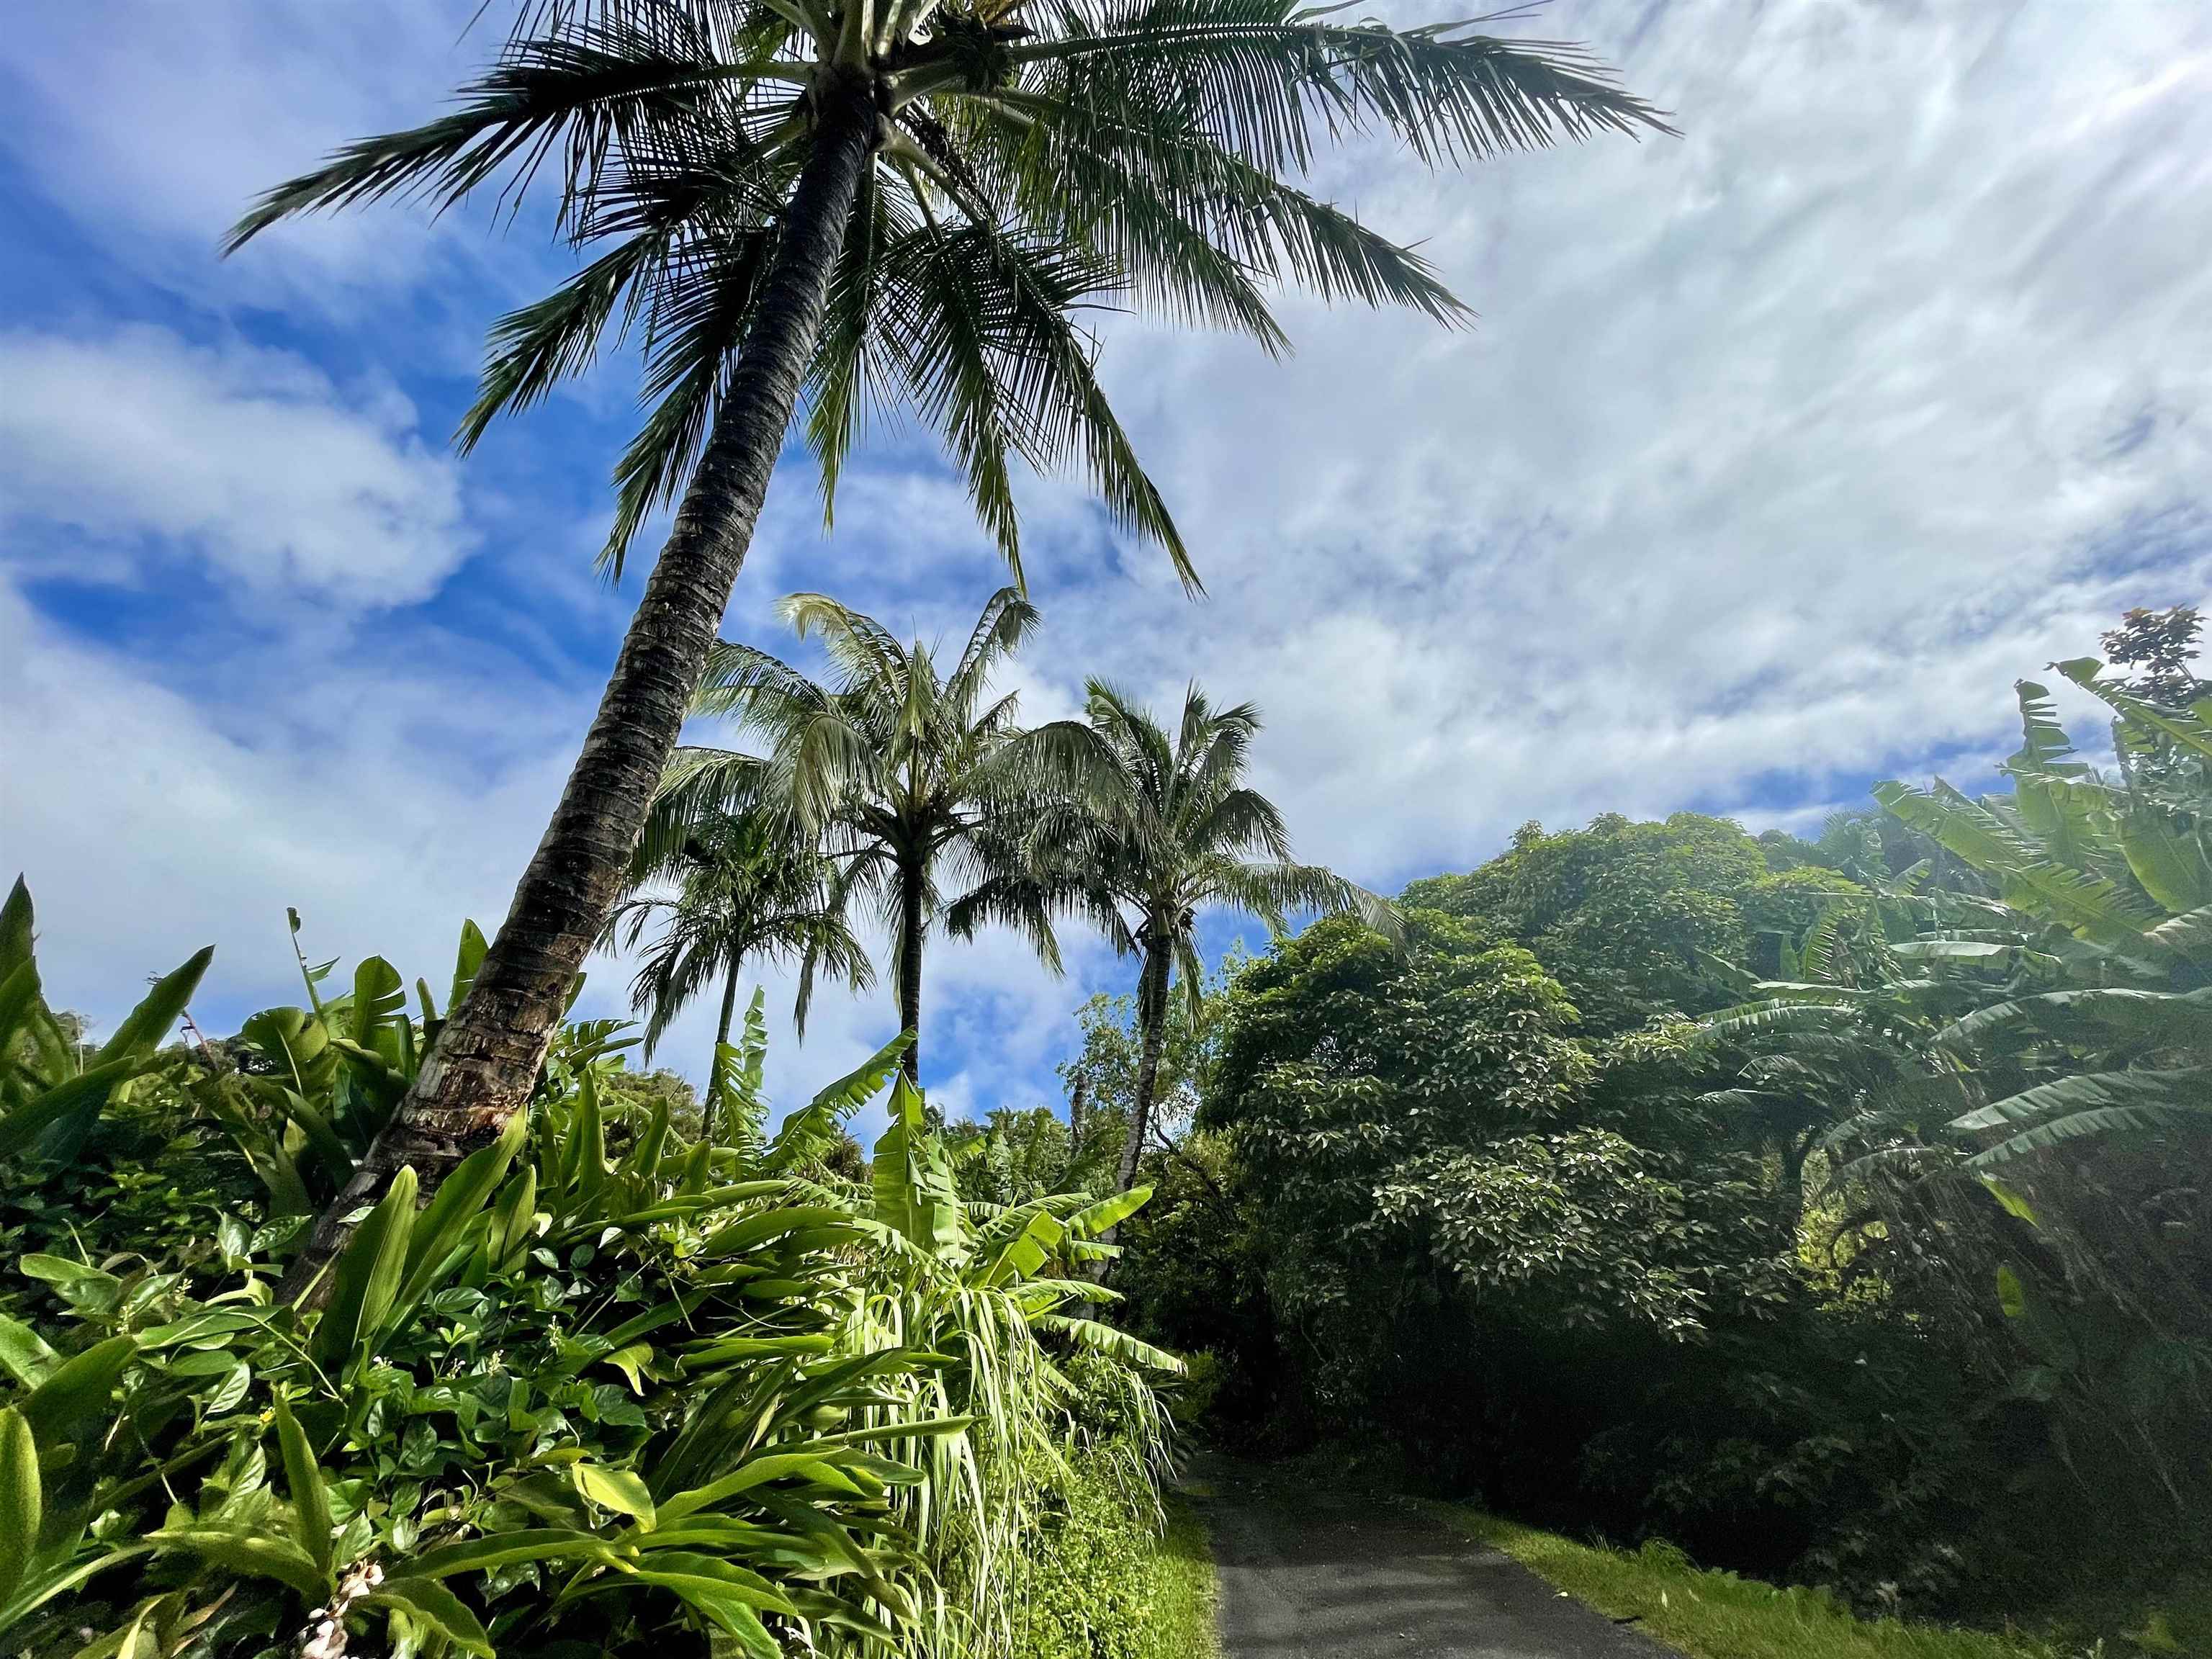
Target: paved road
[1307,1576]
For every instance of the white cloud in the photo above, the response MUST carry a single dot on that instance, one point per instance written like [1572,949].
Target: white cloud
[251,457]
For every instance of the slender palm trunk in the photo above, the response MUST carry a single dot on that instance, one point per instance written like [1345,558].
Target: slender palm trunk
[486,1060]
[1789,1195]
[912,924]
[707,1124]
[1151,1039]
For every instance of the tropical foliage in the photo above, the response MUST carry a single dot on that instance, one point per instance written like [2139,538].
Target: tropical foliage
[2019,1088]
[609,1385]
[1832,1208]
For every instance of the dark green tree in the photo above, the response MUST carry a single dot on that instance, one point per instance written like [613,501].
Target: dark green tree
[1627,916]
[2158,647]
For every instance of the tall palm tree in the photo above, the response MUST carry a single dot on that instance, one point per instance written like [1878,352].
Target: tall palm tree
[1148,829]
[745,888]
[880,204]
[907,775]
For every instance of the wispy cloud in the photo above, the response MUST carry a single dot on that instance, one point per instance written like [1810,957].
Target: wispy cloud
[250,459]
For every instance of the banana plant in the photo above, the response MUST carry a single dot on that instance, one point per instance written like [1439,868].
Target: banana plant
[2111,883]
[986,1285]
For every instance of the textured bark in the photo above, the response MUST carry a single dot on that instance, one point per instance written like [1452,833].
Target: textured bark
[912,922]
[485,1062]
[1152,1036]
[707,1125]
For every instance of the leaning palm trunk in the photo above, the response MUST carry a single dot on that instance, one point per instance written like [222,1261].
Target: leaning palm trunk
[486,1060]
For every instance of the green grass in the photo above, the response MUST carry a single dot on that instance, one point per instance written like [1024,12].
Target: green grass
[1717,1615]
[1186,1602]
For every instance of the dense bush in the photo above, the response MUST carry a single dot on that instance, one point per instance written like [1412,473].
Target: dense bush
[1095,1585]
[608,1386]
[1886,1272]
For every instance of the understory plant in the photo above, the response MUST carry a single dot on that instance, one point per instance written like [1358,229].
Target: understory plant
[612,1387]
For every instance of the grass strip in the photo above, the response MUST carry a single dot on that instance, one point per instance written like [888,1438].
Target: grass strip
[1718,1615]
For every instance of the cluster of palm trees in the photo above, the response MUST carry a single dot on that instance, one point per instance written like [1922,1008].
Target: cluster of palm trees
[910,790]
[836,207]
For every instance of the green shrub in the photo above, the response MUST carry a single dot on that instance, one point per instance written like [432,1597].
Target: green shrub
[611,1389]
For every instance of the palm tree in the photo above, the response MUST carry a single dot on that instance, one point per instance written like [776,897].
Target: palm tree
[880,204]
[745,888]
[1149,831]
[905,774]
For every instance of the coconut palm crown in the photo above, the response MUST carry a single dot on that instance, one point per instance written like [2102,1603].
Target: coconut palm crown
[736,887]
[1024,162]
[907,772]
[1142,831]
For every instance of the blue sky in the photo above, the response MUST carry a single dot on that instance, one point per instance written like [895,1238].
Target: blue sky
[1778,453]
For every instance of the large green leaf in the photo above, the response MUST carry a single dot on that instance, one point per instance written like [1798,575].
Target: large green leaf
[2188,730]
[2168,856]
[1096,1220]
[1025,1255]
[618,1490]
[755,1230]
[587,1169]
[2093,1103]
[146,1027]
[18,996]
[366,1279]
[67,1110]
[75,1395]
[24,1354]
[713,1589]
[467,961]
[431,1605]
[299,1042]
[22,1505]
[913,1187]
[810,1133]
[2107,1015]
[310,1496]
[378,1002]
[15,928]
[503,1549]
[1106,1339]
[437,1232]
[249,1554]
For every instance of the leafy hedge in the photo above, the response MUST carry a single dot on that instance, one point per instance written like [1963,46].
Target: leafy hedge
[608,1389]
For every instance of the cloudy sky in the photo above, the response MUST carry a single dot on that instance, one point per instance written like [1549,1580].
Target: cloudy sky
[1778,452]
